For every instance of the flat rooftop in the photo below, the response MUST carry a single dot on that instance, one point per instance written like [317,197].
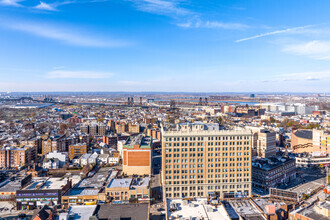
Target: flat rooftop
[143,142]
[198,209]
[47,183]
[246,209]
[81,212]
[10,186]
[310,211]
[82,192]
[86,156]
[309,186]
[136,211]
[271,162]
[97,180]
[140,182]
[123,183]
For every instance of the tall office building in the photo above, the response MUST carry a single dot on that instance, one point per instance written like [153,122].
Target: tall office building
[199,159]
[266,146]
[263,142]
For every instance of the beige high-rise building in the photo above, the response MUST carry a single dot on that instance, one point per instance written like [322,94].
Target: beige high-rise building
[263,142]
[266,143]
[199,159]
[321,141]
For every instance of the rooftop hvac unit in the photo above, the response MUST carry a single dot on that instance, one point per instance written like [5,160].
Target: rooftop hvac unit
[209,209]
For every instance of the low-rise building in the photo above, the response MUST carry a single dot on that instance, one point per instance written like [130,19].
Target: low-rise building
[103,159]
[79,212]
[42,191]
[271,172]
[135,211]
[84,159]
[52,163]
[314,211]
[80,196]
[9,187]
[114,158]
[93,158]
[198,209]
[120,190]
[62,157]
[312,161]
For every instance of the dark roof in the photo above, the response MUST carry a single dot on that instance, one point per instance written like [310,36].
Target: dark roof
[136,211]
[43,213]
[307,134]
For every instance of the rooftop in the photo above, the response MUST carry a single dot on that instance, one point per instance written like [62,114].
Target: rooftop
[271,162]
[10,186]
[97,180]
[123,183]
[143,142]
[312,211]
[81,192]
[136,211]
[81,212]
[307,134]
[232,132]
[47,183]
[86,156]
[178,208]
[246,209]
[140,182]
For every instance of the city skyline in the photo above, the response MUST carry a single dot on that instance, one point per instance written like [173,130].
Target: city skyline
[164,45]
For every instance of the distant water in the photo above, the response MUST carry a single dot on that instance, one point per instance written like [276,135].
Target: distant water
[214,101]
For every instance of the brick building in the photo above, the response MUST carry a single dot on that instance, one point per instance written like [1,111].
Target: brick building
[137,155]
[77,150]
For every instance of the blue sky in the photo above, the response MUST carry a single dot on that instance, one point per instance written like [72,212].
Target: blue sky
[165,45]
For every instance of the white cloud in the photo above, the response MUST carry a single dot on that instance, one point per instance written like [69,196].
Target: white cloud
[45,6]
[213,24]
[303,76]
[68,74]
[274,33]
[184,17]
[53,6]
[319,50]
[163,7]
[216,24]
[62,34]
[11,2]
